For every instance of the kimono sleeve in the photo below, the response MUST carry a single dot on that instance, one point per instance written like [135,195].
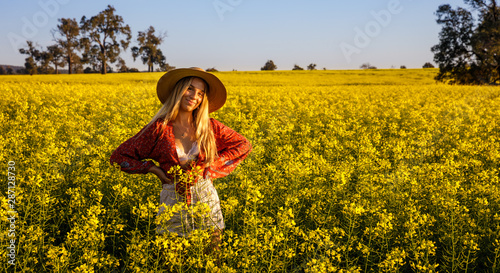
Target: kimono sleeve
[232,149]
[130,154]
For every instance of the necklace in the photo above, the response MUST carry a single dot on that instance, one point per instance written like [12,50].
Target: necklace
[184,131]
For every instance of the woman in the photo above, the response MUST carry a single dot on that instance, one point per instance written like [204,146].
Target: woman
[182,134]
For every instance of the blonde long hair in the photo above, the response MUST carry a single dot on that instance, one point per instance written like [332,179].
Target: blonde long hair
[204,134]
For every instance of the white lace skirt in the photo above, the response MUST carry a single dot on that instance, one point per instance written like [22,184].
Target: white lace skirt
[186,220]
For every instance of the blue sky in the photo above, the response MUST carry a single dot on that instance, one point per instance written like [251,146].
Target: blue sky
[244,34]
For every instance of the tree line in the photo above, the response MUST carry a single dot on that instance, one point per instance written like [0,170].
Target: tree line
[100,39]
[271,66]
[468,51]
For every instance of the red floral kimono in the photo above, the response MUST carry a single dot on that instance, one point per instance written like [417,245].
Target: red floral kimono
[157,142]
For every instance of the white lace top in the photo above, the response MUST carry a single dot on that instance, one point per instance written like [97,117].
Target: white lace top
[190,156]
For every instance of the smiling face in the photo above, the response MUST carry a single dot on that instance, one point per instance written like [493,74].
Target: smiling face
[193,96]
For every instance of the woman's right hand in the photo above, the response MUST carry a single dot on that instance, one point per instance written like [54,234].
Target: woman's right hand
[161,174]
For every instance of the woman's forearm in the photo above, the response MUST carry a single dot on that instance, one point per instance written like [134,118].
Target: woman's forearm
[160,174]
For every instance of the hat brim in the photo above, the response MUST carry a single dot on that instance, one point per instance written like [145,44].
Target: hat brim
[216,90]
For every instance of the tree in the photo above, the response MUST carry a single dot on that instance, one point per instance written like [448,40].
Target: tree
[148,48]
[165,67]
[269,66]
[367,66]
[21,71]
[428,65]
[469,53]
[57,56]
[46,59]
[91,57]
[296,67]
[67,35]
[103,31]
[486,41]
[311,67]
[34,56]
[2,71]
[402,67]
[454,52]
[122,66]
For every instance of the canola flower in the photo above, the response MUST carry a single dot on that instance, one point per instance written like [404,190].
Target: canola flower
[351,171]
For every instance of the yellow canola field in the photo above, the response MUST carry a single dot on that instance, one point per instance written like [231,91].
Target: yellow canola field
[351,171]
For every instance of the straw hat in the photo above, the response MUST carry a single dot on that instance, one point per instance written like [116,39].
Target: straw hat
[216,91]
